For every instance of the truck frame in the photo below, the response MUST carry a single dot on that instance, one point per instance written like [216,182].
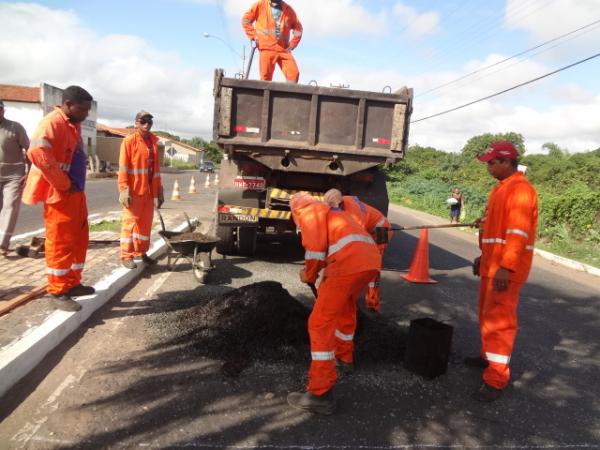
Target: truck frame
[281,138]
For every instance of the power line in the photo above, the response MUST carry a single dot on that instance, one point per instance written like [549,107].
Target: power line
[506,90]
[508,59]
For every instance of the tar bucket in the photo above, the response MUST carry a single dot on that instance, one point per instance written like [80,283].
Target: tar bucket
[428,347]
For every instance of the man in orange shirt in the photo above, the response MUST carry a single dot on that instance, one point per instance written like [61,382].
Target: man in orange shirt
[506,238]
[269,23]
[139,184]
[337,243]
[370,218]
[57,178]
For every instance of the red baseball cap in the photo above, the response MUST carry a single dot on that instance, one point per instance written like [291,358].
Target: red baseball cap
[499,149]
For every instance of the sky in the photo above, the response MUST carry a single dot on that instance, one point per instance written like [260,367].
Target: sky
[153,55]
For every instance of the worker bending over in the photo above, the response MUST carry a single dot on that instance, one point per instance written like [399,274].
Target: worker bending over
[139,184]
[506,239]
[57,178]
[269,23]
[337,243]
[370,219]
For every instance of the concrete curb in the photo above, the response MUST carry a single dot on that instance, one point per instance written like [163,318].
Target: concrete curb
[20,357]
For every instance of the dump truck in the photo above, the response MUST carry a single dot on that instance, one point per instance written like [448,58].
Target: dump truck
[280,138]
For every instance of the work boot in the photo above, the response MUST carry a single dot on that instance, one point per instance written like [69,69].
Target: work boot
[80,290]
[147,260]
[65,303]
[343,368]
[4,251]
[476,361]
[129,263]
[486,394]
[319,404]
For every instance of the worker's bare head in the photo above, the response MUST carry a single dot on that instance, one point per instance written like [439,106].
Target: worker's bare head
[300,200]
[333,197]
[76,103]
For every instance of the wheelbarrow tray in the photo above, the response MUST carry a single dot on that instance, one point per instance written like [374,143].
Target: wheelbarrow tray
[201,244]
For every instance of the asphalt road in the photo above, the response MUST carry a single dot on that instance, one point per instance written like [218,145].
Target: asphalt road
[102,197]
[125,380]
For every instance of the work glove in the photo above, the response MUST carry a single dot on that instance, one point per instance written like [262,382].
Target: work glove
[160,198]
[476,263]
[125,198]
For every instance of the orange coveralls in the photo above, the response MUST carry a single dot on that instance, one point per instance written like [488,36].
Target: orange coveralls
[333,240]
[370,218]
[507,240]
[143,182]
[51,151]
[259,25]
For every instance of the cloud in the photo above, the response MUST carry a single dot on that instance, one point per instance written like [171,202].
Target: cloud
[417,24]
[124,73]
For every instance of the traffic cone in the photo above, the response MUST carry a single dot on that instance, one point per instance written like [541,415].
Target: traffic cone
[207,181]
[419,267]
[192,189]
[175,195]
[216,179]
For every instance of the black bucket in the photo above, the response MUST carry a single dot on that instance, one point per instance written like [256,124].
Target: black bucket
[428,347]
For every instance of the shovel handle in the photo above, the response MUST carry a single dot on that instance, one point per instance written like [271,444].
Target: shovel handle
[313,288]
[445,225]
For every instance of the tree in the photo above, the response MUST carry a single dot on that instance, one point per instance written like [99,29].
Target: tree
[211,150]
[477,145]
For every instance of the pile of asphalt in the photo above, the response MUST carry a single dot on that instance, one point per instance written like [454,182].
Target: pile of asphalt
[263,322]
[192,236]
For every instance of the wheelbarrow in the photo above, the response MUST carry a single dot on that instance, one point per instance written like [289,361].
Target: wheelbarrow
[193,246]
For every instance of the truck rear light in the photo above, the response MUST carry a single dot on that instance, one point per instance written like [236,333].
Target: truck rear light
[245,129]
[382,141]
[223,209]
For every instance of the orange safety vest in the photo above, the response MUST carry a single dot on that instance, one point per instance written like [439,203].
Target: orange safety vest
[263,30]
[370,218]
[133,166]
[509,228]
[335,241]
[51,152]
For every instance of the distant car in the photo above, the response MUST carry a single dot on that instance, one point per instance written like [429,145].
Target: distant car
[207,166]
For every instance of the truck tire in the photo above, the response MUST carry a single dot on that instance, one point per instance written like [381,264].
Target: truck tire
[246,241]
[226,245]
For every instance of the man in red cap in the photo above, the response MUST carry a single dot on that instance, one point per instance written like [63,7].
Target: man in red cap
[506,238]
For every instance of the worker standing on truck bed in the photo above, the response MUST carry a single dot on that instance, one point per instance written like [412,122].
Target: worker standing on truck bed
[506,240]
[370,218]
[139,184]
[337,243]
[57,178]
[269,23]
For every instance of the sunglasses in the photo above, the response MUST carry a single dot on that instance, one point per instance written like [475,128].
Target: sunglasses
[145,120]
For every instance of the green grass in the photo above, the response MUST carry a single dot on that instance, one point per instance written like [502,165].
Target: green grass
[106,225]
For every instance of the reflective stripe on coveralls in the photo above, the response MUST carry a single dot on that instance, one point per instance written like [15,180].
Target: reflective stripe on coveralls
[136,226]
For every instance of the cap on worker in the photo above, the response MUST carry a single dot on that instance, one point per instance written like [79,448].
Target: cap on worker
[499,149]
[142,114]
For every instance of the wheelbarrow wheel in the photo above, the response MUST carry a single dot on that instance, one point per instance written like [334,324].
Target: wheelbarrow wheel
[202,265]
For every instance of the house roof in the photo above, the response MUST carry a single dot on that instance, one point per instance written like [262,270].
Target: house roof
[121,132]
[25,94]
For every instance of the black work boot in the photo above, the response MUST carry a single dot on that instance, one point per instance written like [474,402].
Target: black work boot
[129,263]
[486,394]
[80,290]
[147,260]
[476,361]
[319,404]
[65,303]
[343,368]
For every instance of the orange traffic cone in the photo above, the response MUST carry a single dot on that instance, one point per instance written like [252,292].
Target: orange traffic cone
[207,181]
[175,195]
[192,189]
[419,267]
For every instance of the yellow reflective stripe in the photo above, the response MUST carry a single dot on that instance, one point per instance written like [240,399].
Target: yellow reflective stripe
[322,356]
[349,240]
[39,143]
[319,256]
[496,358]
[57,272]
[517,231]
[141,237]
[78,266]
[342,336]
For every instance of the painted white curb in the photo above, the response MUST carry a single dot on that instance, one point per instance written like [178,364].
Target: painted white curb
[576,265]
[20,357]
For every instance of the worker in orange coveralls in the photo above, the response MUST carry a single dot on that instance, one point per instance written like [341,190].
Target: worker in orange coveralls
[507,236]
[370,218]
[57,178]
[269,23]
[337,243]
[139,184]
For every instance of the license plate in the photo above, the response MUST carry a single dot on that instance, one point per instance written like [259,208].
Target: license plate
[236,218]
[255,183]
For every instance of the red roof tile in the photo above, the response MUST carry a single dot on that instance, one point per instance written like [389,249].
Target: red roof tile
[116,131]
[24,94]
